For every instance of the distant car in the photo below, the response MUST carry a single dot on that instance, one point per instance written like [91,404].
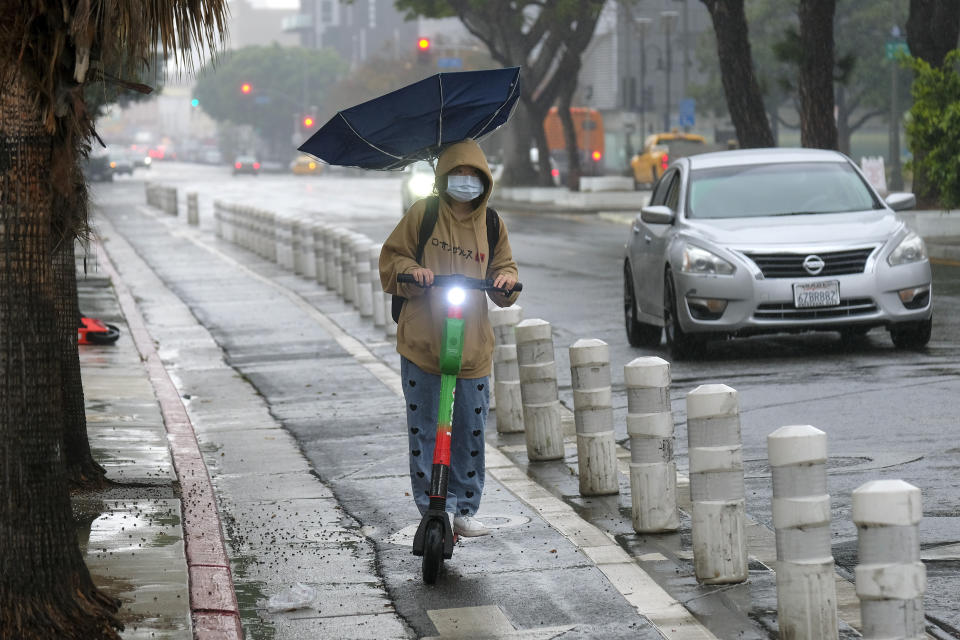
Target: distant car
[417,183]
[736,243]
[659,150]
[121,163]
[97,168]
[246,164]
[304,165]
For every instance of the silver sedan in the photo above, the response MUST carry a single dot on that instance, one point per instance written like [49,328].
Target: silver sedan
[737,243]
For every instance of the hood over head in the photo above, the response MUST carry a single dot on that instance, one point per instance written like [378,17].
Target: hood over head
[469,153]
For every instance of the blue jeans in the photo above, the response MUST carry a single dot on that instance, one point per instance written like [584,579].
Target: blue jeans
[472,401]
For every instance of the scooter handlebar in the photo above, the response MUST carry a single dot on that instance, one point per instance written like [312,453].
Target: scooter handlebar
[464,282]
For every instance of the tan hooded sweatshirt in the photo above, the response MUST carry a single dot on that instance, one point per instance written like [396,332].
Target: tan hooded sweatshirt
[456,246]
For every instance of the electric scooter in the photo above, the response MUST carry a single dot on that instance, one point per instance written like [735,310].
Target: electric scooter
[434,539]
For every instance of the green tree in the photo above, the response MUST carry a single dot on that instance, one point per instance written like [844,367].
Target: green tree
[49,52]
[934,127]
[286,84]
[932,31]
[547,39]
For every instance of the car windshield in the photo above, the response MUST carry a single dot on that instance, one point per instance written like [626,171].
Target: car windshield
[777,189]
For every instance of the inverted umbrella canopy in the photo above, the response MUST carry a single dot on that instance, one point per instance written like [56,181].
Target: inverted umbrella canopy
[418,121]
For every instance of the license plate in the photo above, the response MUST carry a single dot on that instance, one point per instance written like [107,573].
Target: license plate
[825,293]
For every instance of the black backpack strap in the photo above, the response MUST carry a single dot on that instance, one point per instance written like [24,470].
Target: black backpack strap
[493,232]
[427,223]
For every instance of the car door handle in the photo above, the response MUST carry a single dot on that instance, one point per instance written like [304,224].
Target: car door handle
[647,239]
[635,228]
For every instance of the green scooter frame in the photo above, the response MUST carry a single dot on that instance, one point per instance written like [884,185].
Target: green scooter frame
[434,539]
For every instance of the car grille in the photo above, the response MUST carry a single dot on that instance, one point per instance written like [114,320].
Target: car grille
[786,311]
[790,265]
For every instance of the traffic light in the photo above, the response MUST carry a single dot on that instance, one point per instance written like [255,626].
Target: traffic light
[307,122]
[423,51]
[246,88]
[194,103]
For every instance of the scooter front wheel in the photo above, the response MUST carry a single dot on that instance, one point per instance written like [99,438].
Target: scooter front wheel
[432,551]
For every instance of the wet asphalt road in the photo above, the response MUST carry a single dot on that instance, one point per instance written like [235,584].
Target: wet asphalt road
[887,413]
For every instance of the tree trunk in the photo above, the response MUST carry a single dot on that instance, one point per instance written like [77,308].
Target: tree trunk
[744,100]
[83,472]
[517,169]
[818,129]
[45,588]
[932,31]
[574,170]
[843,122]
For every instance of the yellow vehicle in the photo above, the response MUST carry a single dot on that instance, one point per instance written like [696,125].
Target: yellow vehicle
[659,150]
[304,165]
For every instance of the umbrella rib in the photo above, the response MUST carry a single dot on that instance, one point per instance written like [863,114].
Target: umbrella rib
[513,91]
[356,133]
[440,124]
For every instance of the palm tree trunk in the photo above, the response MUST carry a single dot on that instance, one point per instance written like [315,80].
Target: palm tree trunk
[83,472]
[45,588]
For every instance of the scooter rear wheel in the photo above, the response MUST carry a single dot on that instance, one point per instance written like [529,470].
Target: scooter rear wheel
[432,552]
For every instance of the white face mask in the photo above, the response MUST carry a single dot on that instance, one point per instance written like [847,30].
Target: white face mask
[464,188]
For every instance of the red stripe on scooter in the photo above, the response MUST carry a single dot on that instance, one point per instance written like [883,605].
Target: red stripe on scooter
[441,452]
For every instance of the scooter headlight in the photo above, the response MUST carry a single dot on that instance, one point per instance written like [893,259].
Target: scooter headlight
[421,185]
[910,249]
[456,296]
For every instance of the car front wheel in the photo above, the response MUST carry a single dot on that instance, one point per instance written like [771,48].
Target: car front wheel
[639,334]
[682,345]
[911,335]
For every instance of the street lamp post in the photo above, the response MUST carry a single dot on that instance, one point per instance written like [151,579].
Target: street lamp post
[668,18]
[643,25]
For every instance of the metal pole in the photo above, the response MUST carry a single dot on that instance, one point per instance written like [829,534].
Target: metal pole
[643,25]
[896,175]
[668,17]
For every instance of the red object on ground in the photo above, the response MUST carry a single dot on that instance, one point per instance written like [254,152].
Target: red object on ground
[93,331]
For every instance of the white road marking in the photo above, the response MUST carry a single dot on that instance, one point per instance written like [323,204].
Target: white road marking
[484,622]
[670,617]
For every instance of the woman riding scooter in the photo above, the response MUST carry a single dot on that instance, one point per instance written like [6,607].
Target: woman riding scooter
[458,244]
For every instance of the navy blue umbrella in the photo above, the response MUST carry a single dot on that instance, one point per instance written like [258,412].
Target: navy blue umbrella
[418,121]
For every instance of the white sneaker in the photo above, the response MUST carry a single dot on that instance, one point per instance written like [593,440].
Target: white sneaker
[469,527]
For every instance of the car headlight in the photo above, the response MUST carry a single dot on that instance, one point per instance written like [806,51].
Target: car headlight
[421,185]
[911,249]
[700,261]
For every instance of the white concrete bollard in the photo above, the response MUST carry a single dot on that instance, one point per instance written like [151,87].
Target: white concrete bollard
[193,209]
[270,236]
[331,266]
[347,273]
[891,578]
[320,252]
[295,224]
[716,485]
[338,234]
[361,260]
[806,586]
[283,230]
[653,471]
[308,256]
[217,216]
[593,416]
[389,326]
[538,390]
[506,371]
[379,312]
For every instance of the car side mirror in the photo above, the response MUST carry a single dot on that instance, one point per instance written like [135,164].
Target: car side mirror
[657,214]
[901,201]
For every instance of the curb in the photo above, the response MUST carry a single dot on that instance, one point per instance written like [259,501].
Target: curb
[213,601]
